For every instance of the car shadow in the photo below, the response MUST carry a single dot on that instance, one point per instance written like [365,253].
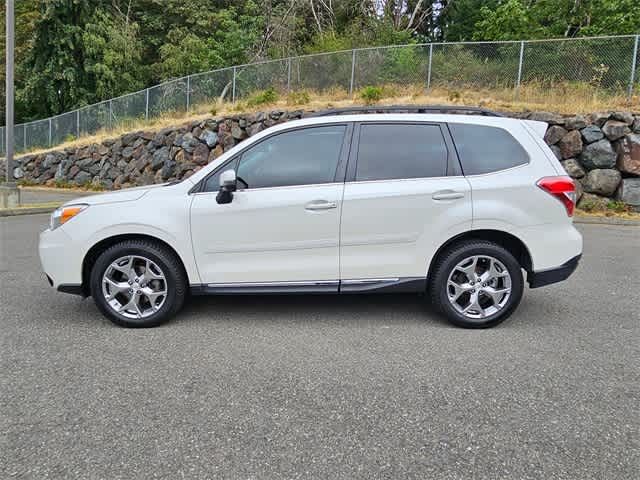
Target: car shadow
[383,308]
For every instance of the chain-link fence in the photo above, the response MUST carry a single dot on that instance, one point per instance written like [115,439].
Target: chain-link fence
[527,70]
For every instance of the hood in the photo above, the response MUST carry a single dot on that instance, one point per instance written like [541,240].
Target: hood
[125,195]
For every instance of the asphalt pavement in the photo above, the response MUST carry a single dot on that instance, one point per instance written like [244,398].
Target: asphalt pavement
[324,387]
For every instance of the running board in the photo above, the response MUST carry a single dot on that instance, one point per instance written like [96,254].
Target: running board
[377,285]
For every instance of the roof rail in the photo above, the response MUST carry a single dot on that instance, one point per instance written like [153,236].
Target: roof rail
[408,109]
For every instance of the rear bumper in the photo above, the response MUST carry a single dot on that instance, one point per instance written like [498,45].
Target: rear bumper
[553,275]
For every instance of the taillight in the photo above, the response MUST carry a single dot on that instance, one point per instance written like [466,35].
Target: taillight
[563,188]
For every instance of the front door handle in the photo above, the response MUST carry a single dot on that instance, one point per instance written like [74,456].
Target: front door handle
[320,205]
[447,195]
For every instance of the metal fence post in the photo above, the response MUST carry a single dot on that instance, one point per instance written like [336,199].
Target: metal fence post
[233,88]
[520,69]
[24,137]
[633,66]
[146,106]
[110,115]
[188,92]
[353,71]
[78,123]
[50,132]
[289,74]
[429,70]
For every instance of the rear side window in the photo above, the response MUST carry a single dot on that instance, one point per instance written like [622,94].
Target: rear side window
[395,151]
[484,149]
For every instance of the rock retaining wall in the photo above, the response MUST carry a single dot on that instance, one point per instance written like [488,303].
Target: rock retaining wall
[601,151]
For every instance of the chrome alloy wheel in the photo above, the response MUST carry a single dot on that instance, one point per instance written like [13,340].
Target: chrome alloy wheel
[479,286]
[134,286]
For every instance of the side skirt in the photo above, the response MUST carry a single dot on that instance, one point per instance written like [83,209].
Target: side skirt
[373,285]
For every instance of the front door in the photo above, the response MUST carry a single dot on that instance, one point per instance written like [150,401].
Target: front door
[282,226]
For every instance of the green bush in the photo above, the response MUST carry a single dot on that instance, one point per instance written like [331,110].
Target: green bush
[264,97]
[298,98]
[618,206]
[371,94]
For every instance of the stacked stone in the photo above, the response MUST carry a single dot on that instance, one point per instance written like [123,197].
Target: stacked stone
[601,151]
[146,157]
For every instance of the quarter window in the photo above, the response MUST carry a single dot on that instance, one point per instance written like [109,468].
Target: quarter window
[395,151]
[213,181]
[297,157]
[484,149]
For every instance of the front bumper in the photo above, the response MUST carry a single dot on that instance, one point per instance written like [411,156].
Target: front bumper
[60,258]
[553,275]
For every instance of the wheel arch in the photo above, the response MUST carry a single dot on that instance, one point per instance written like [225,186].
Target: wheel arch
[506,240]
[94,252]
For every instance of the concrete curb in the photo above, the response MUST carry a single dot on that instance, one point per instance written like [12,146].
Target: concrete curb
[76,191]
[14,212]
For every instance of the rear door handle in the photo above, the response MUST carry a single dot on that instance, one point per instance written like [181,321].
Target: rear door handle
[320,205]
[447,195]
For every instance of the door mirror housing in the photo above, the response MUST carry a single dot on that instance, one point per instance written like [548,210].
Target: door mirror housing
[228,185]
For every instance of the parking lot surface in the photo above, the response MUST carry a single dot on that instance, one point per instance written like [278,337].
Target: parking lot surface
[325,387]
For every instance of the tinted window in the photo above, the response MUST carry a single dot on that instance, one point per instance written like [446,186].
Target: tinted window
[390,151]
[485,149]
[299,157]
[213,182]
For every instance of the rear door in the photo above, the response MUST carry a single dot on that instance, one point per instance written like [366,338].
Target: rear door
[404,197]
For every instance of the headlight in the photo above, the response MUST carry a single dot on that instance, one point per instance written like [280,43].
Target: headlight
[63,214]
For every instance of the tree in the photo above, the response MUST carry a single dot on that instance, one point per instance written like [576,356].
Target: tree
[511,20]
[520,20]
[112,52]
[226,38]
[458,18]
[82,52]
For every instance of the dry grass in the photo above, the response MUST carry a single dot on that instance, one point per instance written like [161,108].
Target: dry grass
[608,214]
[564,99]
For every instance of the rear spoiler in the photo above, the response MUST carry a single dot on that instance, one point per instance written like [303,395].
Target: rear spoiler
[539,128]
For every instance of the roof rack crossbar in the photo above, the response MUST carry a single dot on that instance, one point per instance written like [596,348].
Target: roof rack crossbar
[408,109]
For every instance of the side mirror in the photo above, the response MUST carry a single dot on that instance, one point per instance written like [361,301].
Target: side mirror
[228,185]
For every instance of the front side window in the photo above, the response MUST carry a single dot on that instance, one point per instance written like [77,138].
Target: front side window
[401,151]
[298,157]
[484,149]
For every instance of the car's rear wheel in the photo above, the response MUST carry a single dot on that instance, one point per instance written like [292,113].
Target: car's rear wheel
[476,284]
[138,283]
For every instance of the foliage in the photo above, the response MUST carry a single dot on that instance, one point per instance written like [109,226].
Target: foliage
[264,97]
[618,206]
[371,94]
[112,53]
[226,39]
[71,53]
[520,19]
[298,98]
[589,206]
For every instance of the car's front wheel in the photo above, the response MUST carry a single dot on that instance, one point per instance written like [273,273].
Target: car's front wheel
[138,283]
[476,284]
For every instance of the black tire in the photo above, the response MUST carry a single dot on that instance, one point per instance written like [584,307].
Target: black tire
[165,259]
[447,261]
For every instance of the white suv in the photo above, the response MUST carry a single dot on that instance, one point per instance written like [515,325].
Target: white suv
[456,206]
